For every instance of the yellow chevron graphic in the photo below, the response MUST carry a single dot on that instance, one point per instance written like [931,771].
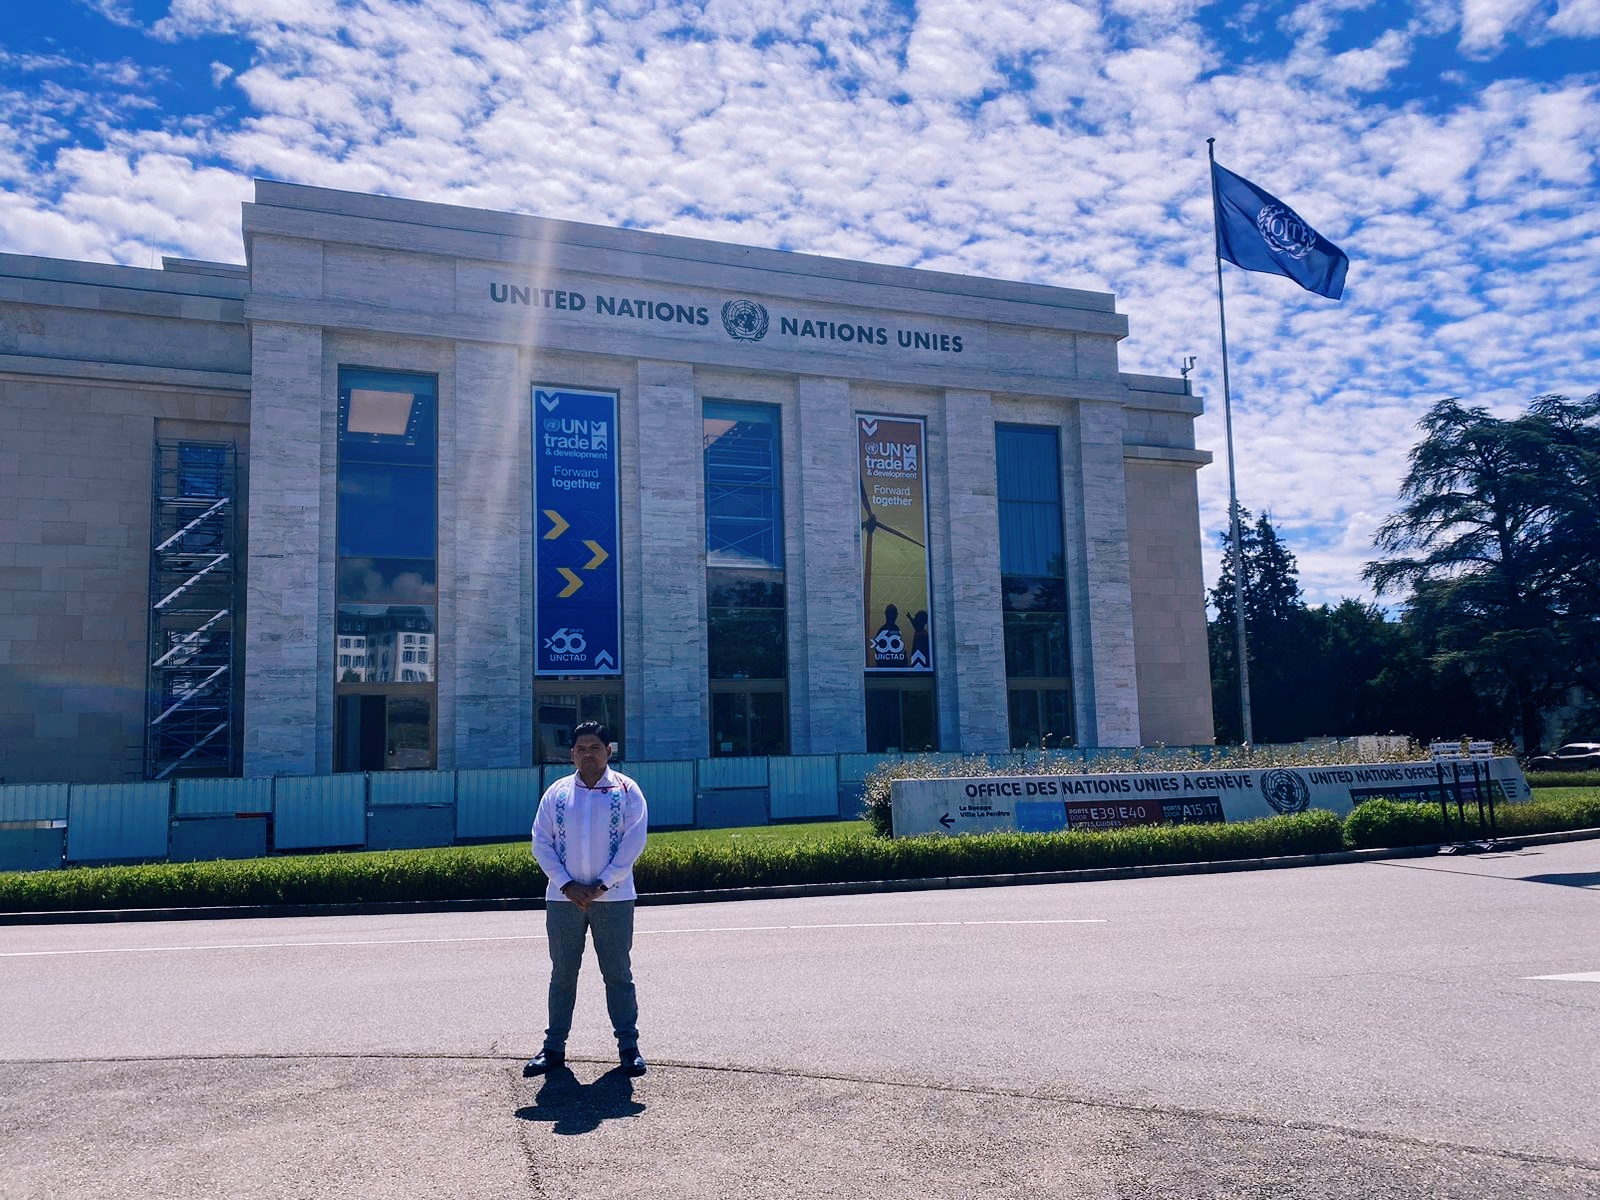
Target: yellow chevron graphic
[599,555]
[558,528]
[573,583]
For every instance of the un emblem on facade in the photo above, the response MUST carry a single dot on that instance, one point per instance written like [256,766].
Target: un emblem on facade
[1284,231]
[745,320]
[1285,791]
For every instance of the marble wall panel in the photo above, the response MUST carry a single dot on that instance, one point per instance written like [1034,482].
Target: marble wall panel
[668,711]
[287,268]
[490,433]
[827,691]
[1104,608]
[978,660]
[283,580]
[1168,590]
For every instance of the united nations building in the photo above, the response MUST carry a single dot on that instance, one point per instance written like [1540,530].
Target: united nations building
[418,487]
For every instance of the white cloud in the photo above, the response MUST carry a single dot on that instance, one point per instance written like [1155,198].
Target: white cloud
[1577,18]
[115,11]
[1485,23]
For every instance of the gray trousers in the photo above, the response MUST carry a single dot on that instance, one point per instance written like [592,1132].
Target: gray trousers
[611,923]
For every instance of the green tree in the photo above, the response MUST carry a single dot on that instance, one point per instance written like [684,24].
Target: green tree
[1277,630]
[1495,539]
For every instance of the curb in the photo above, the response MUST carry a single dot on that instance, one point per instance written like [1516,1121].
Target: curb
[779,891]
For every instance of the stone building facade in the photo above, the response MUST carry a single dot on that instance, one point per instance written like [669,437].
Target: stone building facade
[716,358]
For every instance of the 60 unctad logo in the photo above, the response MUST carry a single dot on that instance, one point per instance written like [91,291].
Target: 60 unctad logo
[1285,791]
[565,642]
[745,320]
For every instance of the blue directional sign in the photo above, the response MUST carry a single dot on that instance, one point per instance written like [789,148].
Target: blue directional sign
[577,600]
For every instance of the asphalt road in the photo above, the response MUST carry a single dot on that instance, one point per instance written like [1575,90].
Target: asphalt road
[1362,1030]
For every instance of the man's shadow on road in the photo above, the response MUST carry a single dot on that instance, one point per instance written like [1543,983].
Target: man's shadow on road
[574,1107]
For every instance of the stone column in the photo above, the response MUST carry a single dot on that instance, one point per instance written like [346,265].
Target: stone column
[667,696]
[483,644]
[283,720]
[828,690]
[1104,674]
[977,656]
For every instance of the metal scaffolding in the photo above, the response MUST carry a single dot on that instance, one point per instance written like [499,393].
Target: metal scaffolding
[190,717]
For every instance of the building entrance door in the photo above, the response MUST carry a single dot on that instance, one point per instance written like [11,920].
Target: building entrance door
[383,731]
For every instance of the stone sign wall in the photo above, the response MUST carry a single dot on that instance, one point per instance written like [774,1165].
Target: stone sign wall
[1045,803]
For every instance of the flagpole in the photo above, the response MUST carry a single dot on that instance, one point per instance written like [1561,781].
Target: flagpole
[1241,650]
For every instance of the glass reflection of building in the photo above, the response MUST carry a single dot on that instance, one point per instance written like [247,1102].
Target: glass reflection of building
[387,648]
[385,644]
[746,638]
[1033,585]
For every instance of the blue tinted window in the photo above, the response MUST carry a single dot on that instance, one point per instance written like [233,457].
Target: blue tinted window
[386,511]
[744,489]
[1028,479]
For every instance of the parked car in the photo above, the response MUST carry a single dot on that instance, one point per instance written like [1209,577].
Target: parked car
[1574,756]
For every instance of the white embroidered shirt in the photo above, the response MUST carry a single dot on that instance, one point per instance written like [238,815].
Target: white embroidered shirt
[591,835]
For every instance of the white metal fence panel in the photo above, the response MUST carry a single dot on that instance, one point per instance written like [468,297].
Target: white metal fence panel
[313,812]
[717,773]
[221,797]
[668,790]
[107,821]
[394,788]
[496,803]
[34,801]
[804,785]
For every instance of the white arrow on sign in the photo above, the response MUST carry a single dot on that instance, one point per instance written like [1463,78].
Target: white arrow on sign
[549,401]
[869,425]
[604,659]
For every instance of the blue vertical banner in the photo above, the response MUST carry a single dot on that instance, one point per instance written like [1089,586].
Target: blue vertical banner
[577,600]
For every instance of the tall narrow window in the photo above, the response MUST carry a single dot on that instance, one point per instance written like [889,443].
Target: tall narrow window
[1033,585]
[387,651]
[747,650]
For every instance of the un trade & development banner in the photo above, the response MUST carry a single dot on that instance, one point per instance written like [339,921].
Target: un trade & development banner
[894,543]
[577,601]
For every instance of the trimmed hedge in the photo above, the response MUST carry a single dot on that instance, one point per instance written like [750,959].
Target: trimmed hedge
[507,871]
[497,872]
[1381,822]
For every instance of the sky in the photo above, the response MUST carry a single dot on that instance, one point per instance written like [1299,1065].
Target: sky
[1449,147]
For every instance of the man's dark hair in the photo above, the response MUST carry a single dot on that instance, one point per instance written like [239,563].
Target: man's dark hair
[594,727]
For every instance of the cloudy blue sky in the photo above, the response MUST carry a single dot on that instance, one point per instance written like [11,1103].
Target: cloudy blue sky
[1449,147]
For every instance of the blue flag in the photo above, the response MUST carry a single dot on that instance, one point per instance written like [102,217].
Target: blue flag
[1259,232]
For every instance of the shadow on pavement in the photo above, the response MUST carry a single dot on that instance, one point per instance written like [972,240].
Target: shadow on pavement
[1578,879]
[572,1107]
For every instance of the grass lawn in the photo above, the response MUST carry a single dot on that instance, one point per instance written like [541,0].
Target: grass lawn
[767,835]
[1563,793]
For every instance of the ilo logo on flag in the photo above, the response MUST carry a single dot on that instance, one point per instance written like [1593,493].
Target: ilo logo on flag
[1284,231]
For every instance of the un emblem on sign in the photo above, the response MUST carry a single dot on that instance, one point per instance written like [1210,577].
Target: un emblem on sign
[745,320]
[1284,231]
[1285,791]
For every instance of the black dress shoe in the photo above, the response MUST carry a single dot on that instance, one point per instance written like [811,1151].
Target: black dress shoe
[545,1060]
[632,1060]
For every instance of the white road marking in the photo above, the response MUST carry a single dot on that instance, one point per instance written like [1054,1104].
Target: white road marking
[529,937]
[1579,977]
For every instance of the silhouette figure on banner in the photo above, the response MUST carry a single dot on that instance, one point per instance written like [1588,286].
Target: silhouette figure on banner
[921,655]
[889,644]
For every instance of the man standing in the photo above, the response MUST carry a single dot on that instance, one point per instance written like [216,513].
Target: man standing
[589,829]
